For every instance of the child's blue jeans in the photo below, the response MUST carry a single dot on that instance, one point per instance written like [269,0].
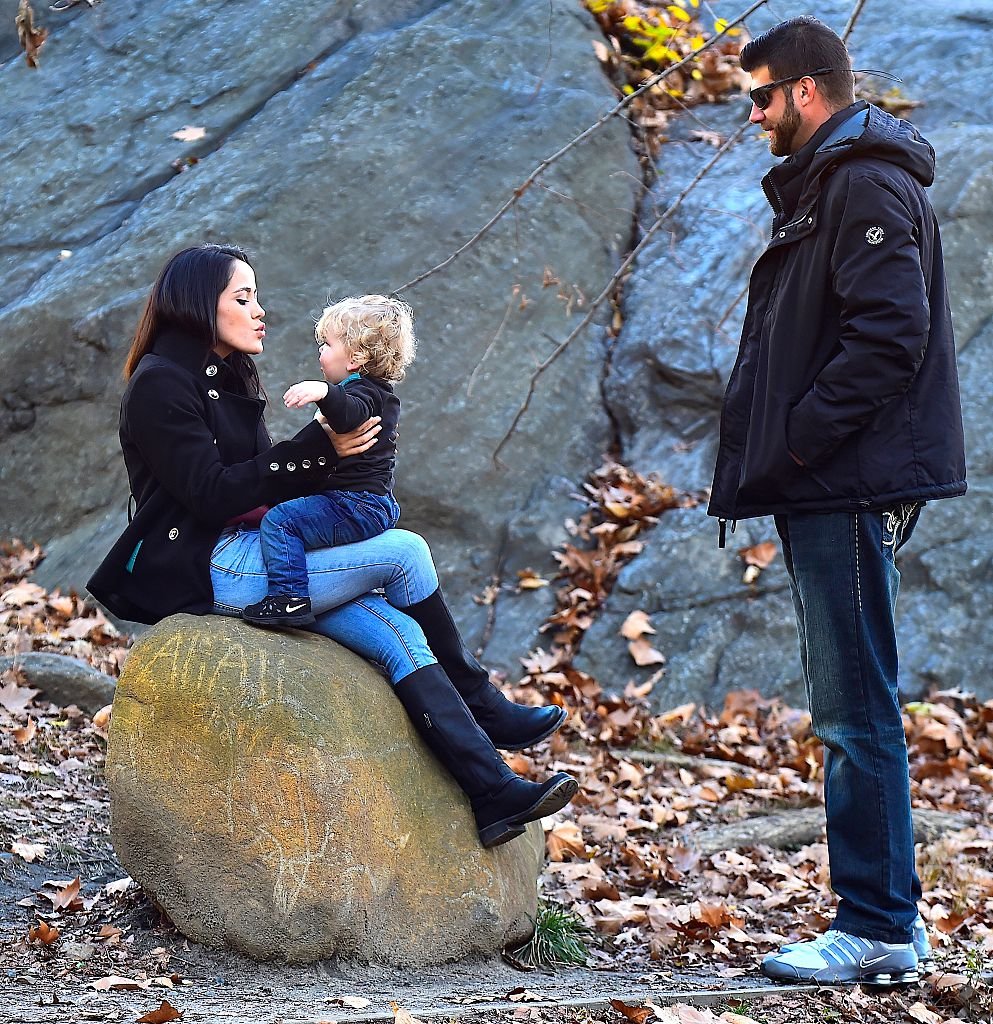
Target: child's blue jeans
[324,520]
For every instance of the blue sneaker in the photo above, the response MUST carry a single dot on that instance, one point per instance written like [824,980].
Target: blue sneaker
[837,957]
[919,938]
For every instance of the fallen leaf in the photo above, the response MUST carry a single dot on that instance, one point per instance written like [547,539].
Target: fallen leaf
[119,886]
[164,1013]
[64,899]
[403,1016]
[528,579]
[564,839]
[352,1002]
[635,625]
[524,995]
[101,720]
[736,1018]
[16,698]
[759,555]
[43,933]
[109,932]
[28,851]
[117,983]
[26,733]
[919,1012]
[644,654]
[31,39]
[190,133]
[635,1014]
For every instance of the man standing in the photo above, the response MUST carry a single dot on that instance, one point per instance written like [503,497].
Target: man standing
[841,418]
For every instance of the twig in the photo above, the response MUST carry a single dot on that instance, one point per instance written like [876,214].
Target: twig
[489,348]
[853,17]
[611,284]
[581,137]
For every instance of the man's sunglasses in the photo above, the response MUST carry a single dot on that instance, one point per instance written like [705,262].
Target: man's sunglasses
[761,95]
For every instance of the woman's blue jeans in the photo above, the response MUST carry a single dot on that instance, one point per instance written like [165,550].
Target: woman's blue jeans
[844,583]
[341,582]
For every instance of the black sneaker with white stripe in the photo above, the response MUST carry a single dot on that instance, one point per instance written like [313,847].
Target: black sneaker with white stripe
[277,612]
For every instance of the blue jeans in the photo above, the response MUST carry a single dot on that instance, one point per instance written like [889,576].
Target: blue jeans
[340,582]
[322,520]
[844,583]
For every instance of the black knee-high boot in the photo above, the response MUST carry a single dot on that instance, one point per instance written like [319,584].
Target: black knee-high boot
[502,802]
[510,726]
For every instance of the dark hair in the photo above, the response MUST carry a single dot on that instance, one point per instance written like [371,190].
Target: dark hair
[184,297]
[799,46]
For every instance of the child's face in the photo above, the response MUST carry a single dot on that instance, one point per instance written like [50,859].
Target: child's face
[336,360]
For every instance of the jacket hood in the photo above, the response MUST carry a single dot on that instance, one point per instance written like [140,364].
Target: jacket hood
[870,131]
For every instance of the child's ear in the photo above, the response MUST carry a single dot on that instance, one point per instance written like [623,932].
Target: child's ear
[357,360]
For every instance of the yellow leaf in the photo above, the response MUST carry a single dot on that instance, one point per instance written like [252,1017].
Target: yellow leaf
[678,12]
[720,24]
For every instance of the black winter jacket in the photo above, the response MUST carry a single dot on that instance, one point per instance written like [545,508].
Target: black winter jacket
[847,358]
[349,404]
[197,454]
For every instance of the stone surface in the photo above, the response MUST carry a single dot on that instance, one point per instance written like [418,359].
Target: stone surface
[270,793]
[63,680]
[350,146]
[683,310]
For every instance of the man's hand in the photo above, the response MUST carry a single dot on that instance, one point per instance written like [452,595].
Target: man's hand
[305,392]
[356,441]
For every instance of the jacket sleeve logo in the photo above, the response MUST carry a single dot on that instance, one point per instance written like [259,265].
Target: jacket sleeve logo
[875,235]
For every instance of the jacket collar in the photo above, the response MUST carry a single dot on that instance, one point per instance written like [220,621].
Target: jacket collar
[787,182]
[189,353]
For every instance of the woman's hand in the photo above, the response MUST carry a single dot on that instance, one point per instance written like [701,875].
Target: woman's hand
[305,392]
[356,441]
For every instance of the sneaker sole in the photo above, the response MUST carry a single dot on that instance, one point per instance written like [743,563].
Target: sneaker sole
[829,976]
[277,622]
[557,724]
[509,828]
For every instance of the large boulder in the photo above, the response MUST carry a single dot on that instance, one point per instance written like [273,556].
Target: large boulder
[269,792]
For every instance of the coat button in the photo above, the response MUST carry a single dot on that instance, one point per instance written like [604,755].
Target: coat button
[782,234]
[322,461]
[213,394]
[290,466]
[274,466]
[305,463]
[173,533]
[211,370]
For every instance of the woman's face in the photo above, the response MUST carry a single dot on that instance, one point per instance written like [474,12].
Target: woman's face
[239,315]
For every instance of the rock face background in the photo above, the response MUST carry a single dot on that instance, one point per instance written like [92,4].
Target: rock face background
[269,791]
[353,145]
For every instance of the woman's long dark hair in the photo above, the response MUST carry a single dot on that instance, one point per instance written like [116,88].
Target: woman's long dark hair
[184,297]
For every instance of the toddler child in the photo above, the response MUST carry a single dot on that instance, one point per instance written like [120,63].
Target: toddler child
[364,346]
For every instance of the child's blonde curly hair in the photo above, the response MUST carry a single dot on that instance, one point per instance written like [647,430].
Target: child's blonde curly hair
[375,327]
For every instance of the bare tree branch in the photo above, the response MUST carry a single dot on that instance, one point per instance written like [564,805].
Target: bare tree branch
[555,157]
[853,17]
[612,283]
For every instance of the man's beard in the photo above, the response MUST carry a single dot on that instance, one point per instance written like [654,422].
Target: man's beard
[781,138]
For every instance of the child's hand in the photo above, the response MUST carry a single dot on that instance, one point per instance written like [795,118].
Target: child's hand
[305,392]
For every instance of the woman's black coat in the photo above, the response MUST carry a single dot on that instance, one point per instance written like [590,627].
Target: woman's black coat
[197,454]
